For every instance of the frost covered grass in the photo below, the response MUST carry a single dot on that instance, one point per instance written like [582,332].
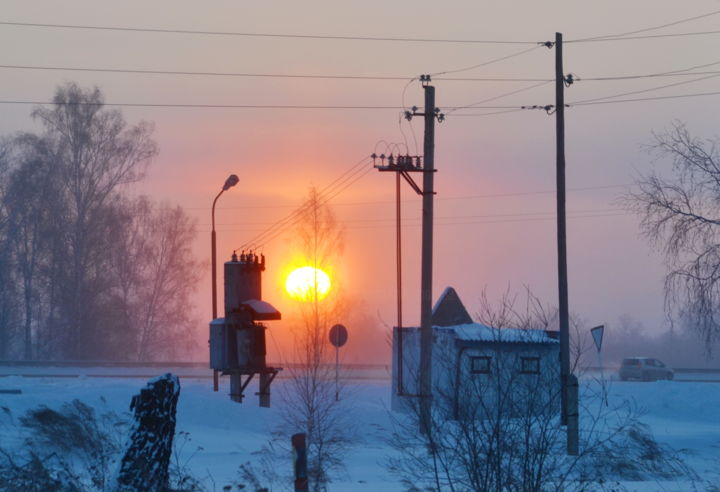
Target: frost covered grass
[219,442]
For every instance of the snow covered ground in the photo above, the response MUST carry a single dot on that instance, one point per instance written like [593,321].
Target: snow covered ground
[684,415]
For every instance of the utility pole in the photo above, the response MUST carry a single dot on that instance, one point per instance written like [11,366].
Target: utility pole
[427,258]
[403,166]
[567,413]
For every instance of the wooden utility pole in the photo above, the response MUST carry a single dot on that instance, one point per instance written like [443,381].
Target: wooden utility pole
[427,259]
[572,431]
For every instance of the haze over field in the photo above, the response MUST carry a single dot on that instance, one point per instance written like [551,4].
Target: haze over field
[495,206]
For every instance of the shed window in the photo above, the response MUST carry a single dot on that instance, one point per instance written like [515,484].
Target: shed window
[480,365]
[530,365]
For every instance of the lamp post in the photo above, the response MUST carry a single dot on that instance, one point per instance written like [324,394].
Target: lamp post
[229,183]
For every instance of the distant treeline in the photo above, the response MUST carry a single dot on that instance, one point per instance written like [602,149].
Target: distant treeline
[88,271]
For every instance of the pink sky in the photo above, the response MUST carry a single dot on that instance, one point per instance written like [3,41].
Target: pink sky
[495,174]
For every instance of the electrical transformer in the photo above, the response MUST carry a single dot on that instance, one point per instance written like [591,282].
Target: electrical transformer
[237,341]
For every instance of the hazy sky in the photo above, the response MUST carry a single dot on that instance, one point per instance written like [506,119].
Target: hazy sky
[495,205]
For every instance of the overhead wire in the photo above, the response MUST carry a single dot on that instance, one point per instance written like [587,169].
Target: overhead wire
[483,222]
[476,104]
[323,201]
[438,198]
[342,182]
[647,29]
[218,106]
[262,75]
[489,62]
[450,217]
[263,35]
[655,98]
[289,219]
[654,36]
[650,89]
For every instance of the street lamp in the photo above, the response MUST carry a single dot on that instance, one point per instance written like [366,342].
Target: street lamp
[229,183]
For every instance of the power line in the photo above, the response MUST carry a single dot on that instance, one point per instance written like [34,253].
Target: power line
[680,72]
[643,91]
[645,76]
[209,106]
[263,35]
[677,73]
[479,222]
[647,29]
[656,98]
[440,198]
[489,62]
[223,106]
[323,201]
[343,108]
[654,36]
[346,179]
[492,113]
[263,75]
[450,217]
[476,104]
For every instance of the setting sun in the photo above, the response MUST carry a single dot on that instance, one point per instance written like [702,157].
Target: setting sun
[302,282]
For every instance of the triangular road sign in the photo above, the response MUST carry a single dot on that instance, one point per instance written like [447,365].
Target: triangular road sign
[597,334]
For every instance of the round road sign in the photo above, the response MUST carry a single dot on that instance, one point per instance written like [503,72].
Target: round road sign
[338,335]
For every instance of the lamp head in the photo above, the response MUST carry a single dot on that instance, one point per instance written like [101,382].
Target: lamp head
[230,182]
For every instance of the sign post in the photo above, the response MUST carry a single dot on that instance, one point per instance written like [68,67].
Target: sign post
[597,335]
[338,337]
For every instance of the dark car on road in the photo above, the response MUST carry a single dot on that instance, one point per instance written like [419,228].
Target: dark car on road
[645,369]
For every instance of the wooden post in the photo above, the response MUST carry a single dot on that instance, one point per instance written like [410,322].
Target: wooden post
[236,387]
[264,393]
[300,462]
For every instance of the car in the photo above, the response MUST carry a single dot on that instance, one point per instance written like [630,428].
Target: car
[644,368]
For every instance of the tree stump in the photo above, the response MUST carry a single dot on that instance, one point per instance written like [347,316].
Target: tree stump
[144,466]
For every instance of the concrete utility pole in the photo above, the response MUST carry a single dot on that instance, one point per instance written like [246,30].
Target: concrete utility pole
[403,166]
[427,258]
[567,413]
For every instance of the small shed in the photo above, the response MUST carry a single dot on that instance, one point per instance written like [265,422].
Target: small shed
[473,362]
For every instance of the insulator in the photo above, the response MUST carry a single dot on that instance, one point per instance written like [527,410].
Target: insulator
[390,160]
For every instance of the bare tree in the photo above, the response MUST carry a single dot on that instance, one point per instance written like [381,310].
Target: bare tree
[499,429]
[92,153]
[310,403]
[680,212]
[95,274]
[156,276]
[29,200]
[8,290]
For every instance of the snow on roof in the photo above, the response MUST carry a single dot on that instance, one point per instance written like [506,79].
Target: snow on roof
[475,332]
[263,310]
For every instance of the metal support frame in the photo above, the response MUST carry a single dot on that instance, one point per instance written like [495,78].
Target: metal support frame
[237,385]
